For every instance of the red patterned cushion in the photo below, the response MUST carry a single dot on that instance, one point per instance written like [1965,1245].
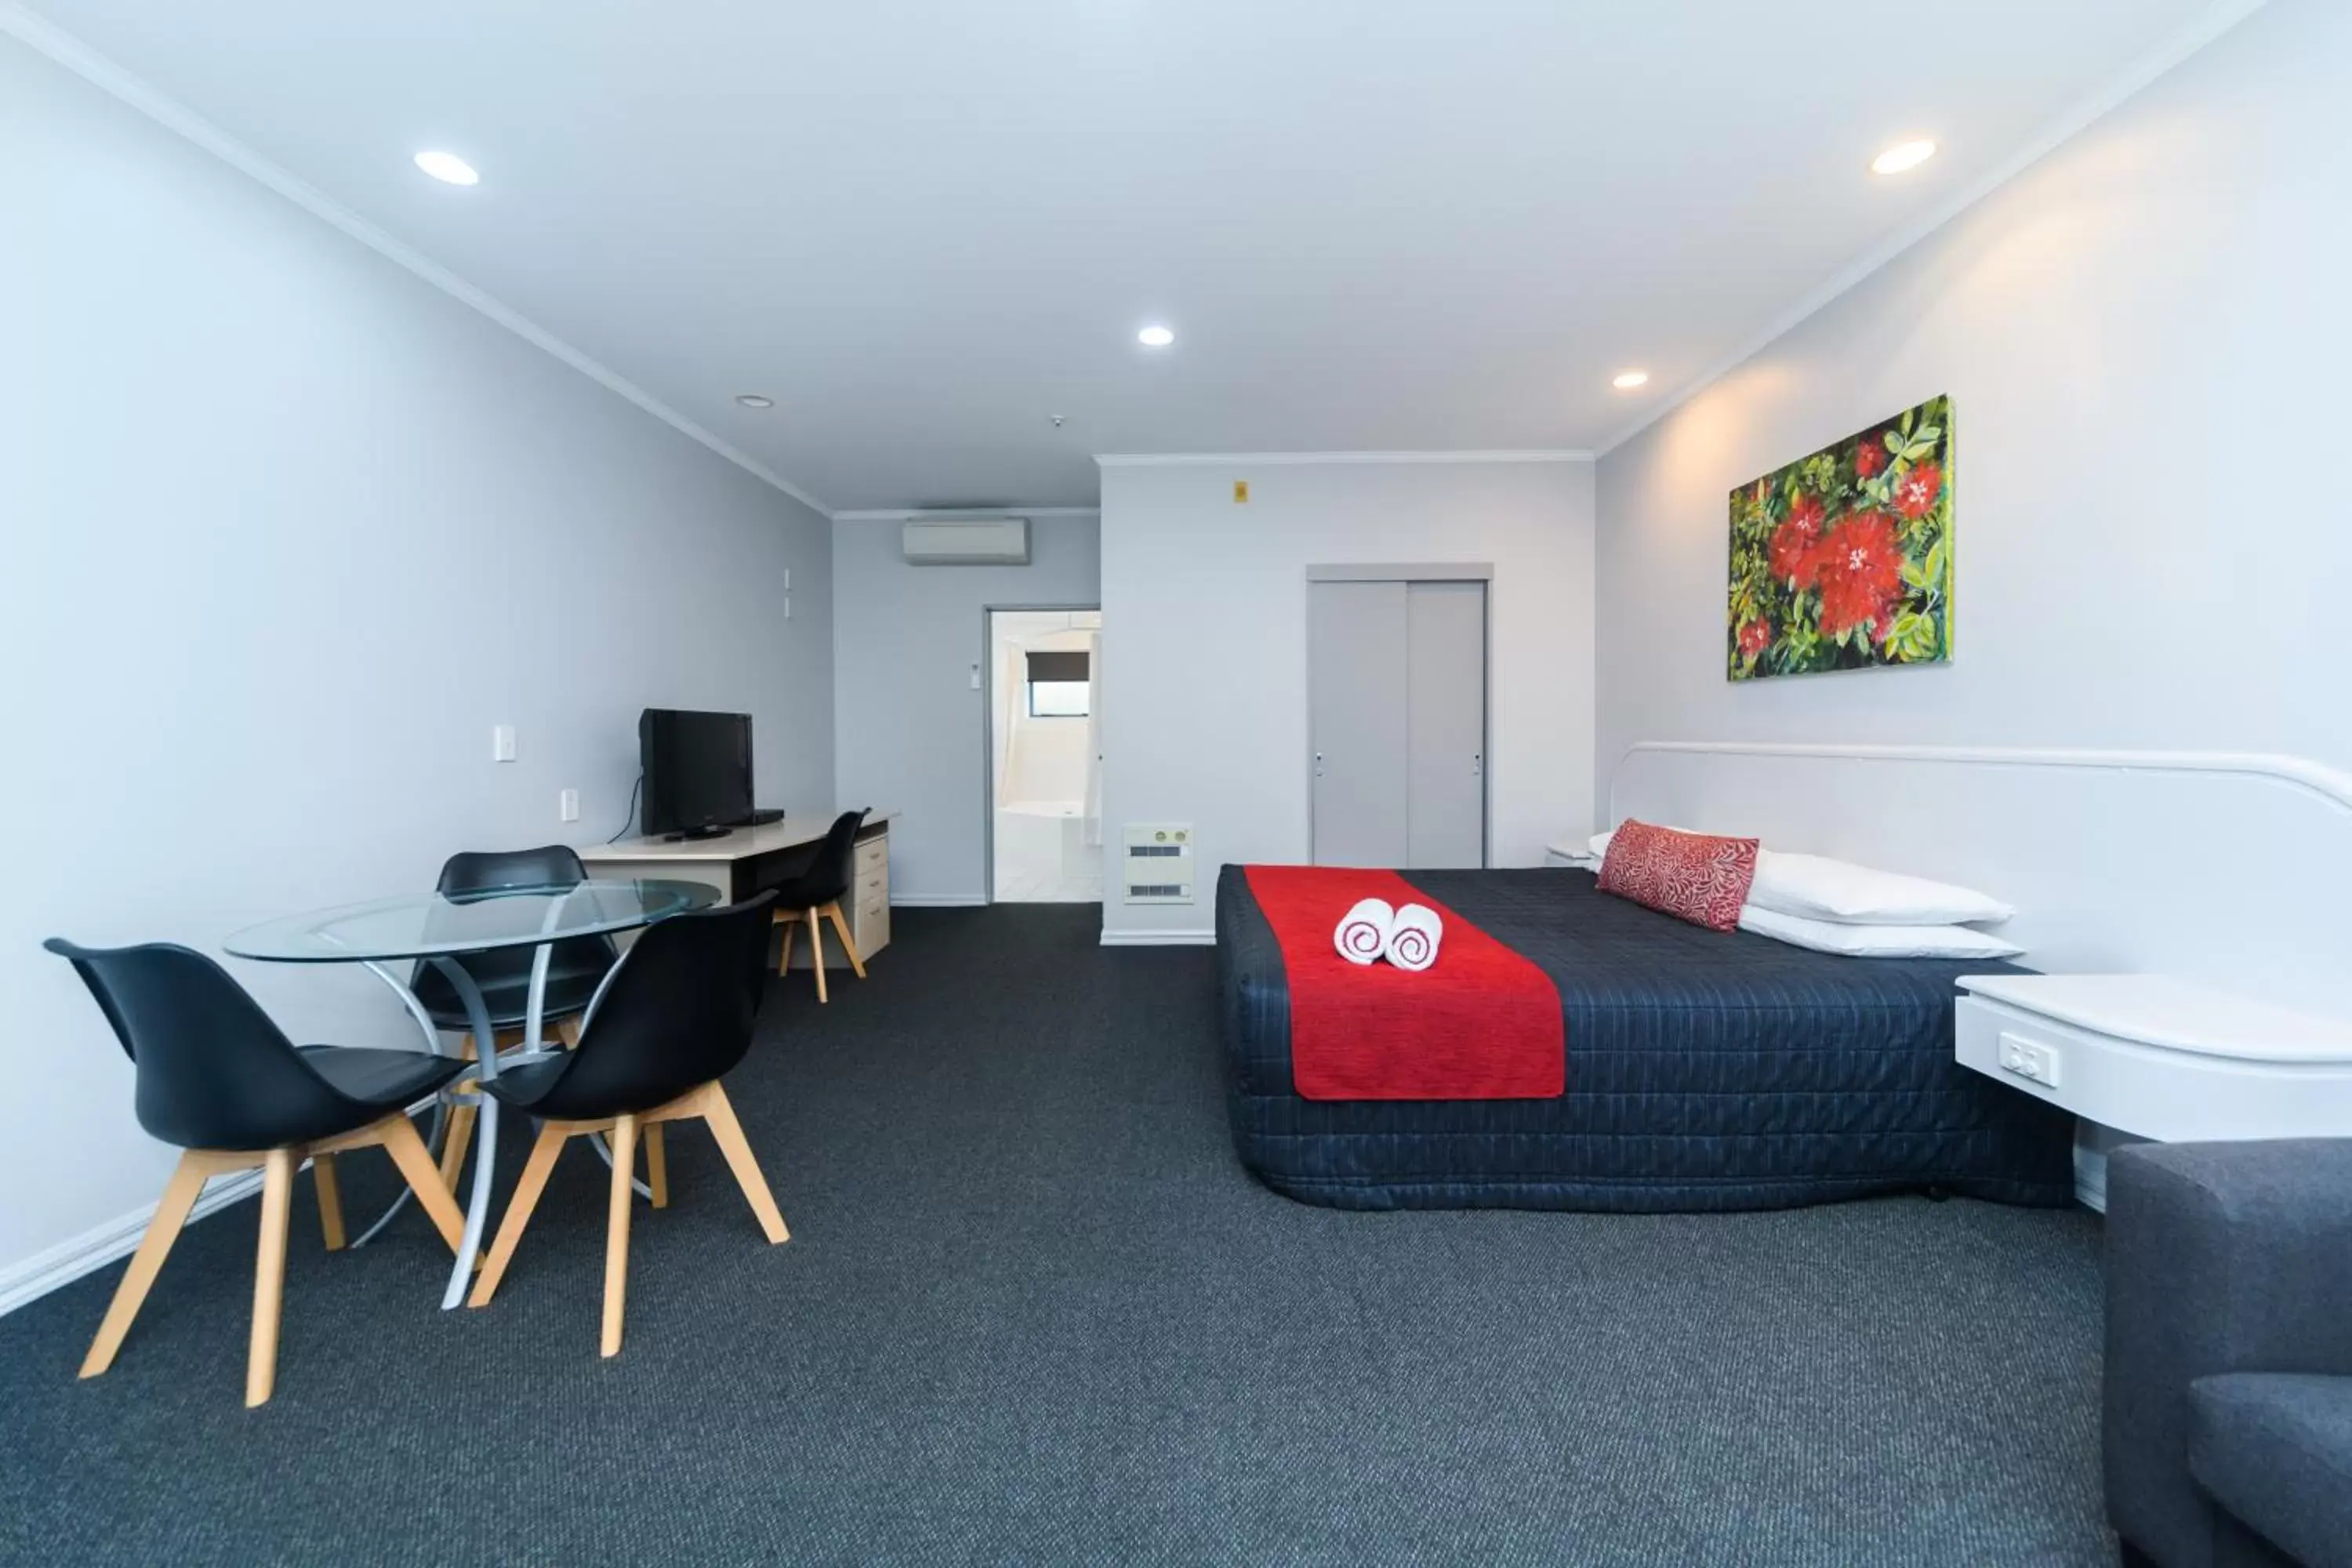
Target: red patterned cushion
[1694,876]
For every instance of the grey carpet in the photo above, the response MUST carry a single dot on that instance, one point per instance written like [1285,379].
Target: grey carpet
[1033,1311]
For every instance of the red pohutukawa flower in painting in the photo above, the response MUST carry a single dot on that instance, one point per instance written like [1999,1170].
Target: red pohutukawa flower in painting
[1754,637]
[1915,492]
[1794,539]
[1870,455]
[1861,571]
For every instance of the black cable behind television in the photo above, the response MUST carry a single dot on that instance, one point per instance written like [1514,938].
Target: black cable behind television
[697,772]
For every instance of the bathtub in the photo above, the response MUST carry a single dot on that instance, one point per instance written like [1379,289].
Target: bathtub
[1041,852]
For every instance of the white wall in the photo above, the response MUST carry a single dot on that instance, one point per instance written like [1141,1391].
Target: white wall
[2144,337]
[1204,644]
[287,532]
[909,727]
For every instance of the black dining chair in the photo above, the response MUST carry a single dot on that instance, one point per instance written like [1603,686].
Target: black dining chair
[575,967]
[221,1081]
[675,1019]
[816,892]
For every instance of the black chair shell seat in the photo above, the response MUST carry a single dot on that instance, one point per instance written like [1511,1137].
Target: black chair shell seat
[675,1018]
[815,896]
[507,998]
[575,966]
[384,1080]
[218,1078]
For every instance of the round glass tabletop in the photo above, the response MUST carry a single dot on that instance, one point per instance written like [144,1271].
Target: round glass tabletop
[425,925]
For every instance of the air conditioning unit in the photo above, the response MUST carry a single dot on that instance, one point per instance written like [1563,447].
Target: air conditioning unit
[966,541]
[1159,863]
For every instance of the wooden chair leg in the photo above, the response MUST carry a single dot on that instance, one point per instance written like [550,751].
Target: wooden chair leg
[841,930]
[719,1114]
[817,953]
[551,1139]
[460,1131]
[171,1212]
[784,960]
[330,1201]
[616,1231]
[415,1162]
[568,1031]
[269,1276]
[455,1143]
[657,1166]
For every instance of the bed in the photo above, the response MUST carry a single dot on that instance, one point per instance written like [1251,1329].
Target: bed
[1706,1071]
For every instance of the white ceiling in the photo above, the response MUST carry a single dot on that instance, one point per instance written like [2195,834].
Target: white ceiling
[926,228]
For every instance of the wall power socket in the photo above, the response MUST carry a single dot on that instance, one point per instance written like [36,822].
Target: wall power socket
[2030,1060]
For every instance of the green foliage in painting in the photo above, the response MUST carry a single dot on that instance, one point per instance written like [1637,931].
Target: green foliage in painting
[1843,560]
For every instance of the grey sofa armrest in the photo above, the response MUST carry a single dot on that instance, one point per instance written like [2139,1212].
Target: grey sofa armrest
[2221,1257]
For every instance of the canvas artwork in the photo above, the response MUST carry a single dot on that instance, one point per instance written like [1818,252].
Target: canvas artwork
[1843,560]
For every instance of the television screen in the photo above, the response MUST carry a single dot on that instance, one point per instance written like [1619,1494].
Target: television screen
[698,769]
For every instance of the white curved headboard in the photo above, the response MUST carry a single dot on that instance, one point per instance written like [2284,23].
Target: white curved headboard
[2229,868]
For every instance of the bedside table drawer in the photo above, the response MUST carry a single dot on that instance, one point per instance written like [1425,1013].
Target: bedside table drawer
[2150,1092]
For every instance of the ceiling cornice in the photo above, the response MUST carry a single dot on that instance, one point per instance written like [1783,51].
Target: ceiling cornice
[946,514]
[46,38]
[2208,24]
[1300,459]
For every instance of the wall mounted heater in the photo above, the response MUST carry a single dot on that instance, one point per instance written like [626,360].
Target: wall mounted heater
[965,541]
[1158,865]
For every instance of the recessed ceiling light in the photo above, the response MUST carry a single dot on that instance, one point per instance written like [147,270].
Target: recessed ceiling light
[753,400]
[448,168]
[1901,157]
[1627,380]
[1155,337]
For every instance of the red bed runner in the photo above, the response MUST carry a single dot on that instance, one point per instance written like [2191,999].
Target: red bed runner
[1482,1022]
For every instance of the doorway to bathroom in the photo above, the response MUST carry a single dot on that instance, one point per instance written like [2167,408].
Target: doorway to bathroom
[1045,756]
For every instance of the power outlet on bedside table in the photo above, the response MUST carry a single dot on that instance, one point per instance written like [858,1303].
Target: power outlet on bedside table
[2029,1059]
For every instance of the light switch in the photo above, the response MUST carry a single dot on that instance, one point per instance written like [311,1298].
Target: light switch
[567,807]
[975,677]
[788,607]
[502,743]
[788,579]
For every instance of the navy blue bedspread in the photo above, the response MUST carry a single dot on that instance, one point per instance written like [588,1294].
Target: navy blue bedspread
[1706,1070]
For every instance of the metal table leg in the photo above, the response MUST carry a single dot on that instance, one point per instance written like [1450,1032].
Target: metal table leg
[486,1127]
[440,1103]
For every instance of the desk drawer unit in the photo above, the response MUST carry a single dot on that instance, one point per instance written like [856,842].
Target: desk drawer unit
[869,904]
[2170,1093]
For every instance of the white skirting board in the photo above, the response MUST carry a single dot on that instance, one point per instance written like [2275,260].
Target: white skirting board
[94,1248]
[1205,936]
[937,900]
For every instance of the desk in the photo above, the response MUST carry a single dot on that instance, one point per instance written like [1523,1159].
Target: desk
[749,860]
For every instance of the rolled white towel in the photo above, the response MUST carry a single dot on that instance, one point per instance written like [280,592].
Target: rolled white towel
[1413,939]
[1363,930]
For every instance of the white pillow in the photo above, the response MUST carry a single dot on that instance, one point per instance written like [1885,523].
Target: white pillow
[1816,887]
[1875,941]
[1598,843]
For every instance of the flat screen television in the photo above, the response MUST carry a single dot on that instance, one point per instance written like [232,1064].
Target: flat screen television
[698,771]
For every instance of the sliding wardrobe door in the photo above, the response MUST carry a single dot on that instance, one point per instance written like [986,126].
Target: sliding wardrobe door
[1445,724]
[1355,679]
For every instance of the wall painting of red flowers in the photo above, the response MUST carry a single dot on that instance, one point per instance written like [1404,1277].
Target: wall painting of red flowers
[1843,560]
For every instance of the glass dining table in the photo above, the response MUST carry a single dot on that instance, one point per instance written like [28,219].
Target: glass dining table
[438,931]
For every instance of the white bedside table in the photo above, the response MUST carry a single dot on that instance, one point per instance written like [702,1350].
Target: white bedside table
[2159,1058]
